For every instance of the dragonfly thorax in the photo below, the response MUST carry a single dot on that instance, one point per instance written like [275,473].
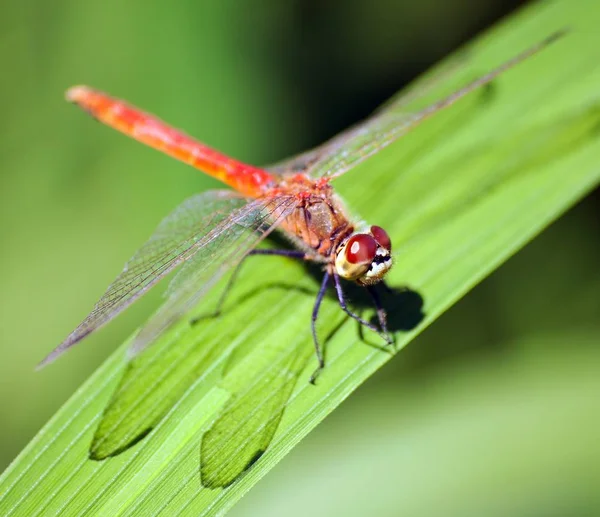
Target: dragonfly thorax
[365,257]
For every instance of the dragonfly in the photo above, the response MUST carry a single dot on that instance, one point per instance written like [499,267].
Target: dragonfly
[213,232]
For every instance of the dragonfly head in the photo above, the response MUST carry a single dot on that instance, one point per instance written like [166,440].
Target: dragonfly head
[365,257]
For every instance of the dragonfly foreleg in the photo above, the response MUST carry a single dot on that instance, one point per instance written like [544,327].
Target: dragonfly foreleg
[340,294]
[381,313]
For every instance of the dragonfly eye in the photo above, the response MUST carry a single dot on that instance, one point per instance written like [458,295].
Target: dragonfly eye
[382,238]
[361,249]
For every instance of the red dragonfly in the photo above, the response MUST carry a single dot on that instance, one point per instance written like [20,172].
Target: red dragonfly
[214,231]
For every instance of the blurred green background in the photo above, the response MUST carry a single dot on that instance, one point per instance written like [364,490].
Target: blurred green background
[497,404]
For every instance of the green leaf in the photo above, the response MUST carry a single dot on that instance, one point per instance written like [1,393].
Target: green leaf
[521,421]
[194,422]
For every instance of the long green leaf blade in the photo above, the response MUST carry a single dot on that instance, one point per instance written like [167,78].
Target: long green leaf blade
[458,195]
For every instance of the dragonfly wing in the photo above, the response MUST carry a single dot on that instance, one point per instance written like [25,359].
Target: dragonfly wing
[229,243]
[189,228]
[398,104]
[356,144]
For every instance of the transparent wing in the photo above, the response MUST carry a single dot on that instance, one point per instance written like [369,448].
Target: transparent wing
[356,144]
[229,244]
[198,224]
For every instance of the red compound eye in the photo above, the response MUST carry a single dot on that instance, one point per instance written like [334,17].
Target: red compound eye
[381,237]
[361,248]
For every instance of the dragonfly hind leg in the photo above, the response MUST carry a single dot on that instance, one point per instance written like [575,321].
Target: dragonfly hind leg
[236,272]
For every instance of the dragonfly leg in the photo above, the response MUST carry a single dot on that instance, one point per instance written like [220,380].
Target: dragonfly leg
[236,272]
[387,288]
[280,253]
[344,306]
[381,313]
[313,327]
